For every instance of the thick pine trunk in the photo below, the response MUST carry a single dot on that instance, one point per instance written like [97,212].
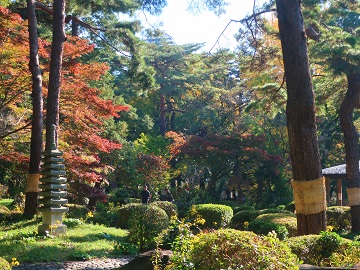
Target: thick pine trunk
[300,109]
[37,102]
[52,108]
[351,139]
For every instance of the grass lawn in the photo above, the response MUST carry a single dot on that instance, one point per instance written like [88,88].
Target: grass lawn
[85,241]
[6,202]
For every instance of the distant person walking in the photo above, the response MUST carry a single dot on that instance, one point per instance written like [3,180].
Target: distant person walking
[145,195]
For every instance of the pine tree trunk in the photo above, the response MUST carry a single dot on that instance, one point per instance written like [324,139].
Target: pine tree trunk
[300,109]
[351,139]
[52,108]
[162,114]
[37,118]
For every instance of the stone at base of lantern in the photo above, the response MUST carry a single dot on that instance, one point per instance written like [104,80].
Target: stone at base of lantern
[52,223]
[46,229]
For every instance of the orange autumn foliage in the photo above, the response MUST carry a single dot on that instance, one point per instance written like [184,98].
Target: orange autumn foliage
[83,109]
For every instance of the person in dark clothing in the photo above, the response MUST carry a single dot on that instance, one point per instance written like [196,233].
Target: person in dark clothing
[145,195]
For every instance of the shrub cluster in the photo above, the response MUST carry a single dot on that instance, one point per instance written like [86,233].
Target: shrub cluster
[339,218]
[233,249]
[10,215]
[146,222]
[283,224]
[124,213]
[4,265]
[169,207]
[327,249]
[77,211]
[216,215]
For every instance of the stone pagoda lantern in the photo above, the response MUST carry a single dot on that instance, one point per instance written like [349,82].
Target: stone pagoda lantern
[52,185]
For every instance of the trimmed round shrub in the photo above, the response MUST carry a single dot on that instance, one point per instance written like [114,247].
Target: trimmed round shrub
[321,250]
[4,265]
[339,218]
[242,207]
[216,215]
[123,215]
[305,247]
[146,222]
[169,207]
[233,249]
[4,213]
[106,214]
[289,221]
[77,211]
[264,227]
[242,219]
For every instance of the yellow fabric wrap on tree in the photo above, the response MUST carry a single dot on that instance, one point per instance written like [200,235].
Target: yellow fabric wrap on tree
[353,196]
[32,183]
[309,196]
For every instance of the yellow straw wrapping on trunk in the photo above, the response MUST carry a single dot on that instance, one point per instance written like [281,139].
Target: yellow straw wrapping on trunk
[353,196]
[309,196]
[32,183]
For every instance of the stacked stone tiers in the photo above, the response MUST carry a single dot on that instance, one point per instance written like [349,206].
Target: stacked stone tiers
[52,185]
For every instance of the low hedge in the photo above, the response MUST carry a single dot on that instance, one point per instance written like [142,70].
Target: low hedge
[216,215]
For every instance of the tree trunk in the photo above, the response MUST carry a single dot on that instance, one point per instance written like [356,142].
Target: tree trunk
[162,114]
[37,118]
[351,139]
[74,28]
[300,109]
[52,108]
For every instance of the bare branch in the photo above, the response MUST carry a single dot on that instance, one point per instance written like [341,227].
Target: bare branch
[254,15]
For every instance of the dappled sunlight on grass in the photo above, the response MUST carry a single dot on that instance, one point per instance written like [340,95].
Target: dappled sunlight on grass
[82,242]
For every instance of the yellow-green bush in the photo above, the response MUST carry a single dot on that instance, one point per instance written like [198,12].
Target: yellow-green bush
[77,211]
[146,222]
[327,249]
[242,219]
[339,218]
[4,213]
[215,215]
[233,249]
[286,220]
[169,207]
[124,214]
[4,265]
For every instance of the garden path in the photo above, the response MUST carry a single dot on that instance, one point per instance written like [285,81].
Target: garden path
[96,264]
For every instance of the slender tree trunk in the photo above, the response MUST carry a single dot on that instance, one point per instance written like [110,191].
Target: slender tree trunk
[300,109]
[74,28]
[351,139]
[37,118]
[52,108]
[162,114]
